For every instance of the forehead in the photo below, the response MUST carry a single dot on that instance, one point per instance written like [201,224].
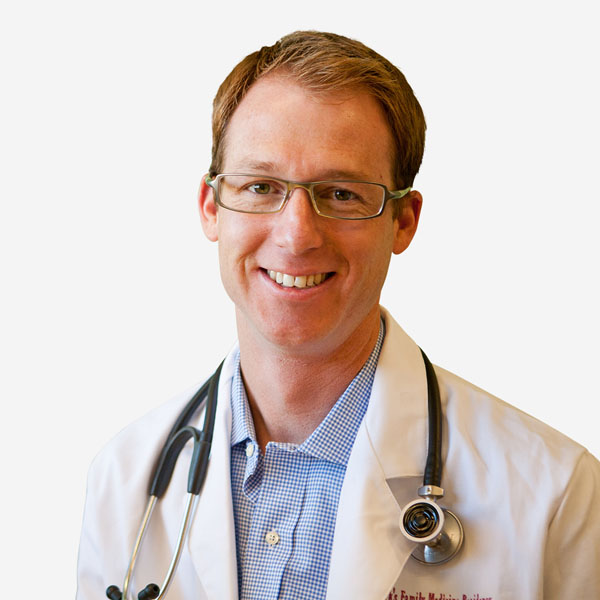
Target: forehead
[286,130]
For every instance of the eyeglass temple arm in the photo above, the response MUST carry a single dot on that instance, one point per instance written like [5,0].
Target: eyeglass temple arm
[399,193]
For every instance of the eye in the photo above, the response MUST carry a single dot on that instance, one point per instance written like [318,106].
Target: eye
[342,195]
[332,192]
[261,187]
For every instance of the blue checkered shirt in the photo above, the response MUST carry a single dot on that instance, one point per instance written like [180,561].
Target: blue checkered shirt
[285,501]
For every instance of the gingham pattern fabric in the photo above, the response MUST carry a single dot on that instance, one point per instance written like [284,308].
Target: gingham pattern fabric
[285,501]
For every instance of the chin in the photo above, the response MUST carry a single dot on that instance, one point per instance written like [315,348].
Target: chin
[298,336]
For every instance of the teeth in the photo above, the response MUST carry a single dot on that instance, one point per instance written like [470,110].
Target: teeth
[299,281]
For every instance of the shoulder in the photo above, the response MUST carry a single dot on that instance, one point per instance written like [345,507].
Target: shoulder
[474,409]
[129,455]
[483,436]
[503,439]
[144,438]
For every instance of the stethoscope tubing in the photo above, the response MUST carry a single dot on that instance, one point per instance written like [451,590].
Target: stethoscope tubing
[178,437]
[432,475]
[180,434]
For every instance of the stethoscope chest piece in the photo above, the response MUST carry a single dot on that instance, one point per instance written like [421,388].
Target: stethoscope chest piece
[445,545]
[437,531]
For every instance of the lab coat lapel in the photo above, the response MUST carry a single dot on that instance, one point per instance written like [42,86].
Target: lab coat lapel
[212,535]
[369,550]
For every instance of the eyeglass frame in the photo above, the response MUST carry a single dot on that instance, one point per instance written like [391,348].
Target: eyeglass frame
[212,182]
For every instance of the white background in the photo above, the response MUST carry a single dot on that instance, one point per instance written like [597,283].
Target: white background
[110,295]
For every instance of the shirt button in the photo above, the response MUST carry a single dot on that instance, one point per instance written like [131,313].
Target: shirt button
[272,538]
[249,449]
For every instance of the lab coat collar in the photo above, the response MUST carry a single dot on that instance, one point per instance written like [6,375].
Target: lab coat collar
[397,417]
[212,536]
[383,473]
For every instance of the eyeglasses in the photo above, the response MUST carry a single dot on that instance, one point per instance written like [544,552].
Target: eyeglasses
[352,200]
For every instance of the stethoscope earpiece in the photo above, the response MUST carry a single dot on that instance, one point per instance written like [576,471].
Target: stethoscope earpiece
[150,592]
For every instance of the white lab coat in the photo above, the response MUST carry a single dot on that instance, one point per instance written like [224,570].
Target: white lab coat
[528,498]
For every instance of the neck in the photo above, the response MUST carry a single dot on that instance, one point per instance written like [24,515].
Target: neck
[291,392]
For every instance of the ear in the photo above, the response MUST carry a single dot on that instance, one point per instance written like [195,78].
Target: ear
[407,220]
[209,214]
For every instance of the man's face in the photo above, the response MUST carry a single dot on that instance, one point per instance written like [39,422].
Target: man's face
[281,130]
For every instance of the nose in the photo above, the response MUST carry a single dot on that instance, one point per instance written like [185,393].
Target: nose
[298,228]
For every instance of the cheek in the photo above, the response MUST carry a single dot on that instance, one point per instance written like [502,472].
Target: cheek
[374,245]
[239,239]
[235,234]
[374,259]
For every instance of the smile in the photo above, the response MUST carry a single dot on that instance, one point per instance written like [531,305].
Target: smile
[299,281]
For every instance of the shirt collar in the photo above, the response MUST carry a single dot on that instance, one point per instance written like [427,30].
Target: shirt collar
[242,425]
[334,437]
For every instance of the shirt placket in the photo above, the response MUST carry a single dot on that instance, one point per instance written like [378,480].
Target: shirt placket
[274,520]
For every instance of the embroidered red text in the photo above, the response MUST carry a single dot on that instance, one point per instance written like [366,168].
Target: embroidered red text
[404,595]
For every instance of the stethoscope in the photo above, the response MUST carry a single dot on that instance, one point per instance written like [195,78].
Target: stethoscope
[437,531]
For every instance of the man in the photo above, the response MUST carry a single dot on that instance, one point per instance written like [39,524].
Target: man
[321,425]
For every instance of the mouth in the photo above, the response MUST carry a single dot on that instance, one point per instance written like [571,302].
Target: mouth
[298,281]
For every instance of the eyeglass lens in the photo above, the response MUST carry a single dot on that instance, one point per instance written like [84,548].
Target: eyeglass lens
[344,199]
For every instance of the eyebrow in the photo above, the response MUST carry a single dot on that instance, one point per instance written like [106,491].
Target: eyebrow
[267,168]
[262,167]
